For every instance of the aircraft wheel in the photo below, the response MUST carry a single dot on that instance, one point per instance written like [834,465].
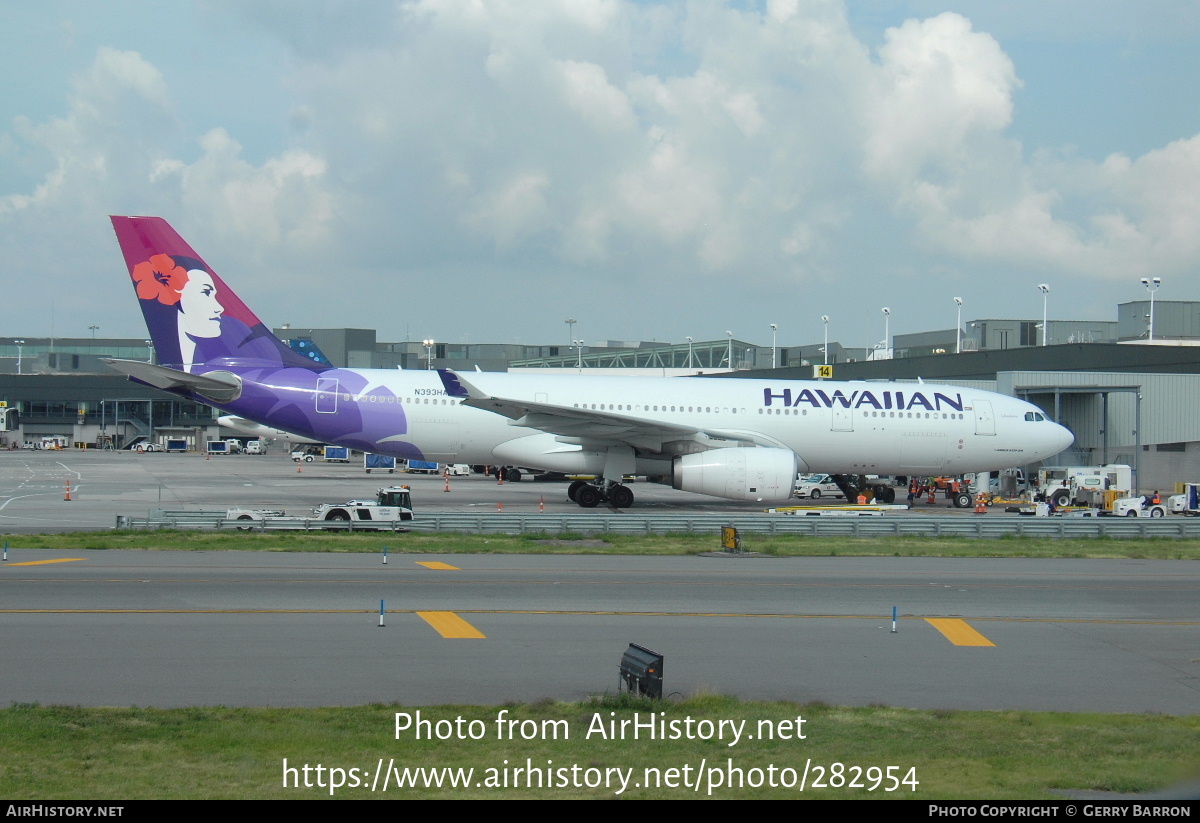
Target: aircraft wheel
[885,495]
[512,475]
[574,488]
[588,497]
[620,496]
[962,500]
[815,494]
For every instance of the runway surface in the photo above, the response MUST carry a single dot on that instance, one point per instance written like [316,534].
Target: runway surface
[282,629]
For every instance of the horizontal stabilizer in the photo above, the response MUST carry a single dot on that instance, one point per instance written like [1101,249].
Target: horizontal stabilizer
[220,387]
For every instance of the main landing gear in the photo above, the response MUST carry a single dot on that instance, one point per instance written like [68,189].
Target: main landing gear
[589,495]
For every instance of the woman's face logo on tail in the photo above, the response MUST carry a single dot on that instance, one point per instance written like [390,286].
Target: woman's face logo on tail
[199,311]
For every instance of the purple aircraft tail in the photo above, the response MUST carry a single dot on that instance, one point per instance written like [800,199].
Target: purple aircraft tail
[196,322]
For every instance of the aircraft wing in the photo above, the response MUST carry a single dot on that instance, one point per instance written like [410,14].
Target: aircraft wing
[589,427]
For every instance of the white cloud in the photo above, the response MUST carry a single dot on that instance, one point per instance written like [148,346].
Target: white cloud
[120,149]
[514,211]
[117,149]
[937,86]
[568,144]
[944,98]
[586,89]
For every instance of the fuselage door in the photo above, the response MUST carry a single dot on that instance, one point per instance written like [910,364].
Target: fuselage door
[327,393]
[843,419]
[985,423]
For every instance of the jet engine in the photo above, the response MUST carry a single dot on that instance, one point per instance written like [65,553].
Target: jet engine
[737,474]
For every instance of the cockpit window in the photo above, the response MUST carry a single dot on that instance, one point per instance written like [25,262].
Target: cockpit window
[1032,416]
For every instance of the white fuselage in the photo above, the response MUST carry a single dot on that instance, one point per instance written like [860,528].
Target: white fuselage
[839,428]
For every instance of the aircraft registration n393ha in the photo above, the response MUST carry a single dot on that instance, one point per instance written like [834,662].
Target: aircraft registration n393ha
[737,439]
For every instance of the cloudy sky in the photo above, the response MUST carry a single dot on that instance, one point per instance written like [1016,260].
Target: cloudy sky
[481,171]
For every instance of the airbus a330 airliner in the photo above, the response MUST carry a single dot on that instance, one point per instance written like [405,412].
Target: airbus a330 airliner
[736,439]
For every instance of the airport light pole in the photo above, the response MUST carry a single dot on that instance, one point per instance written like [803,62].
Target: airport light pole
[887,319]
[93,328]
[19,343]
[1045,290]
[571,321]
[689,362]
[774,329]
[958,301]
[579,356]
[428,344]
[729,355]
[825,320]
[1152,285]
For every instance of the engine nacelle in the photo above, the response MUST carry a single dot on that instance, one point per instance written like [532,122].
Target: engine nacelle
[738,474]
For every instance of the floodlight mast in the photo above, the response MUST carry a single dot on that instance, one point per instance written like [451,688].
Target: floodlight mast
[1151,285]
[958,302]
[1045,290]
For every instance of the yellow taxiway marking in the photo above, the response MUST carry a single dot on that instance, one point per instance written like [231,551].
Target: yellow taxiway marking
[434,564]
[603,613]
[958,632]
[43,562]
[449,624]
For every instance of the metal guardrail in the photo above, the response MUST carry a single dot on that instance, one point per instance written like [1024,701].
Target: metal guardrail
[184,519]
[769,524]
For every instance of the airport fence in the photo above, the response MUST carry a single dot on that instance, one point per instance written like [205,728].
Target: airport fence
[751,523]
[198,519]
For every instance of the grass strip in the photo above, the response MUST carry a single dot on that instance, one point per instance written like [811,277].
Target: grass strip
[671,544]
[134,753]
